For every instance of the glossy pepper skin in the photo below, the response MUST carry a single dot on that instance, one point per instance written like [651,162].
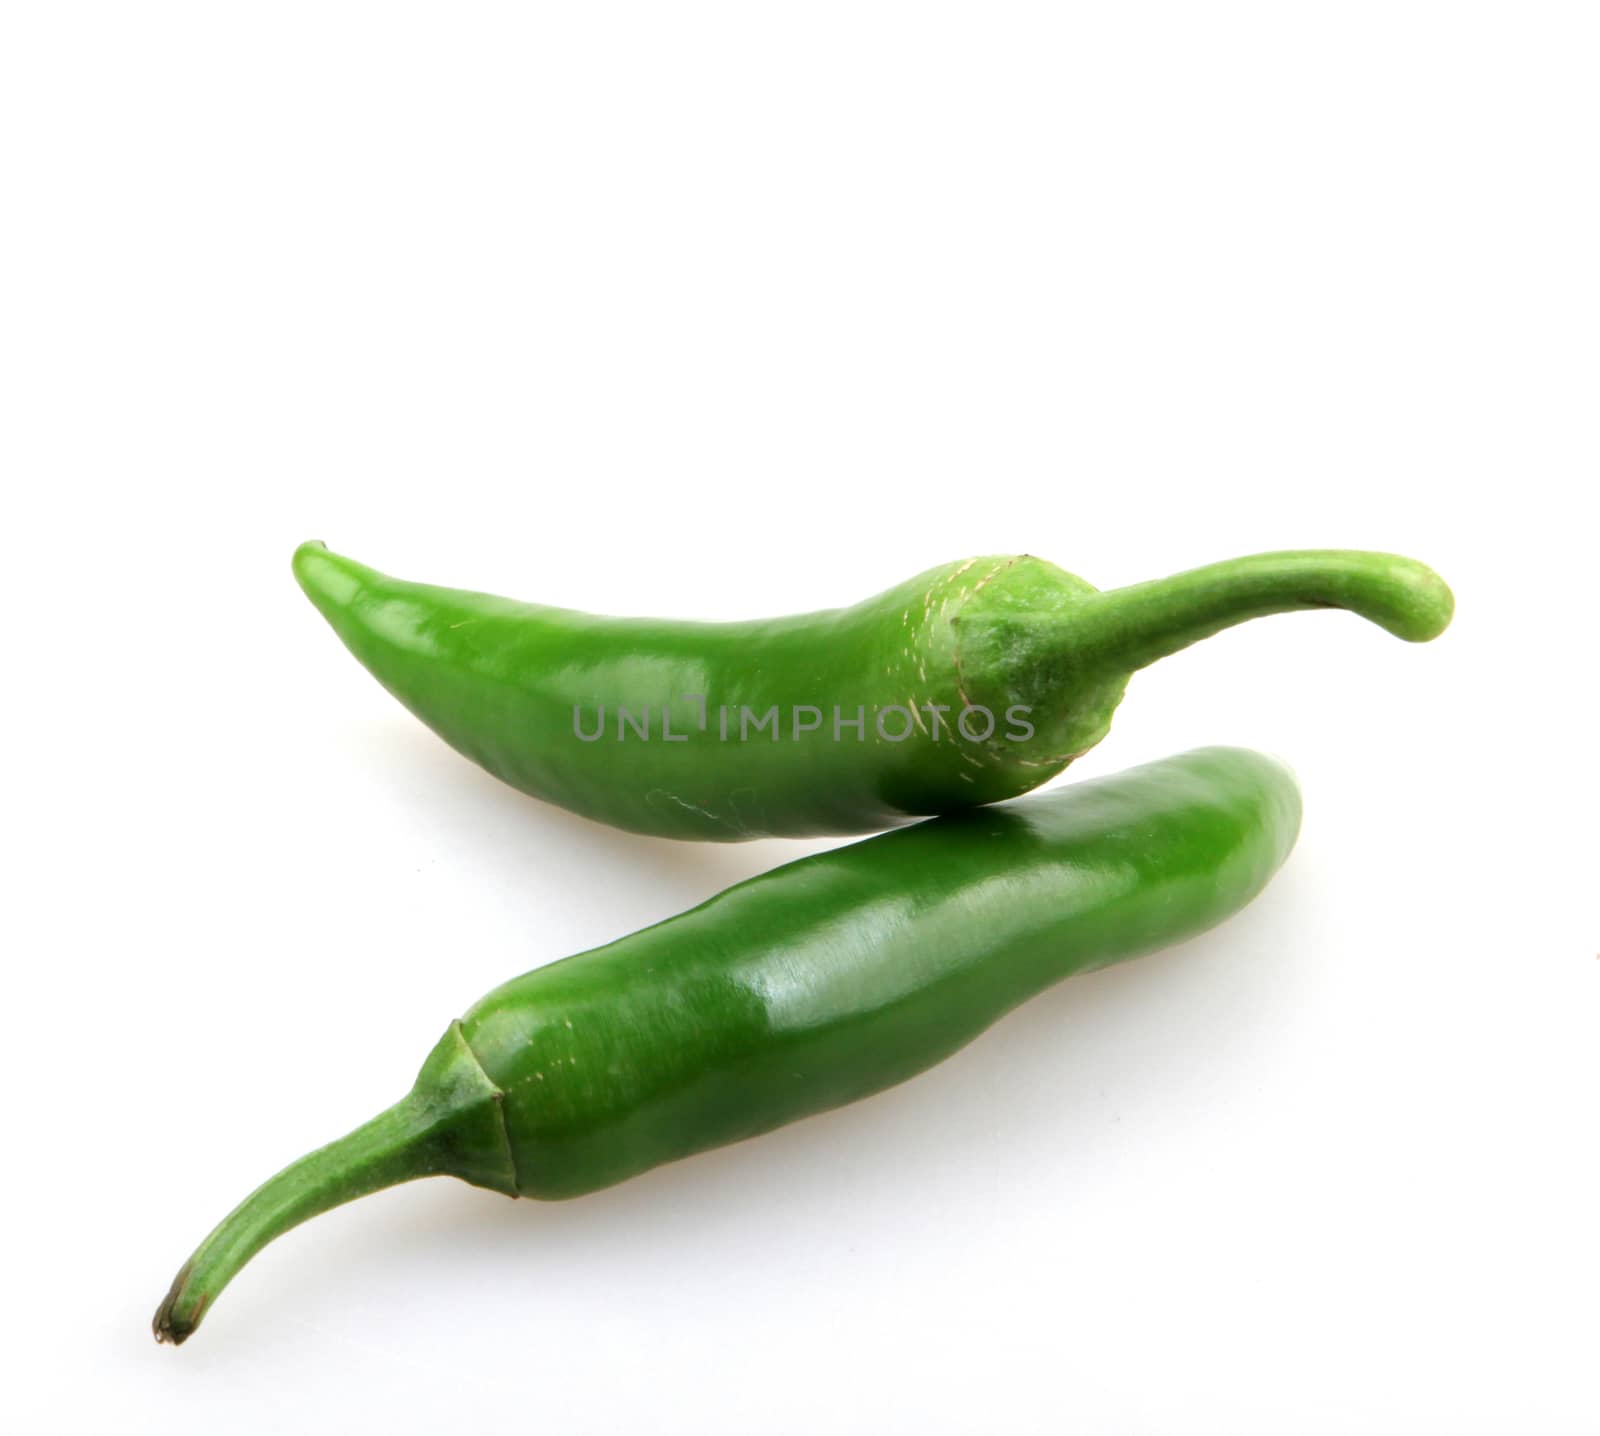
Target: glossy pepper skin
[512,685]
[813,985]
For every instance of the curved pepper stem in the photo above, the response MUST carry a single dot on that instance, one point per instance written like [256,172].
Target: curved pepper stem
[382,1153]
[449,1124]
[1125,629]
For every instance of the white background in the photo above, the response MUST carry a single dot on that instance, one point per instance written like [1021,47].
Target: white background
[728,310]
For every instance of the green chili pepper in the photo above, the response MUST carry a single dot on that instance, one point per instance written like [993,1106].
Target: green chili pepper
[971,683]
[805,988]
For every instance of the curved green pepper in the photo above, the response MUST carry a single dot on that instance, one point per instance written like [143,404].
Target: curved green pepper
[971,683]
[805,988]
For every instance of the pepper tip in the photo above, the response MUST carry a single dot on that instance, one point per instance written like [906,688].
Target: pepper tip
[169,1326]
[327,579]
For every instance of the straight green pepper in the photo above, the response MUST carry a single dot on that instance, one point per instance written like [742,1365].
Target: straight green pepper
[808,987]
[973,682]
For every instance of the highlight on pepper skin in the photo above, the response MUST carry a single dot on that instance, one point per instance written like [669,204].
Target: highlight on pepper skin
[777,727]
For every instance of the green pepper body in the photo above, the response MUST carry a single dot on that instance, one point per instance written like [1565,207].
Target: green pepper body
[970,683]
[813,985]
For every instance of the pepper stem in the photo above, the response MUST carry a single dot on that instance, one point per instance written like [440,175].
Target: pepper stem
[1125,629]
[392,1148]
[450,1123]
